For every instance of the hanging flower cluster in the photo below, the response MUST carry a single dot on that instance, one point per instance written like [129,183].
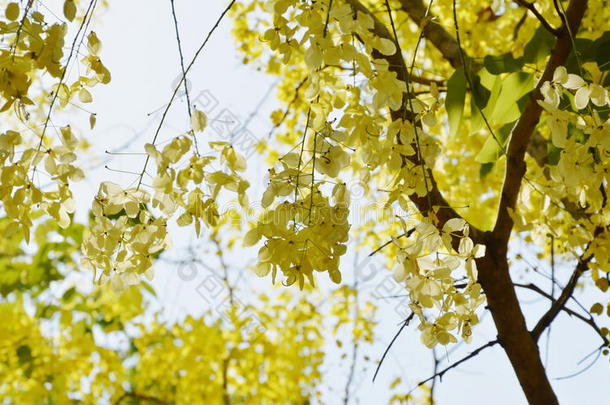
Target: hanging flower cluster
[126,234]
[429,266]
[582,137]
[36,171]
[361,123]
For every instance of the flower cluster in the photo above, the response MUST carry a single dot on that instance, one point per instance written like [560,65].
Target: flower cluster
[35,50]
[126,235]
[428,265]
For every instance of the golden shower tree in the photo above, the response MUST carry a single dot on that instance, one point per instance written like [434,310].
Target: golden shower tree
[469,125]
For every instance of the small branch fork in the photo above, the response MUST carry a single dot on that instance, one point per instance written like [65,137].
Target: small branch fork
[180,84]
[588,320]
[183,70]
[464,359]
[558,305]
[532,8]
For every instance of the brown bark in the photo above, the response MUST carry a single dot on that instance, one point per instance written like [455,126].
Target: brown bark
[435,33]
[519,344]
[522,133]
[516,340]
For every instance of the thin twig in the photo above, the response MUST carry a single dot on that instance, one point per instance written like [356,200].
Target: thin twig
[387,349]
[548,332]
[26,11]
[407,234]
[84,23]
[589,321]
[296,188]
[531,7]
[182,79]
[225,269]
[435,370]
[567,292]
[457,363]
[587,367]
[186,88]
[354,358]
[225,381]
[519,25]
[288,107]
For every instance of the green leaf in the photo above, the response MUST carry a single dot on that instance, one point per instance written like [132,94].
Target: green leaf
[454,102]
[602,55]
[599,53]
[571,104]
[486,79]
[485,169]
[498,64]
[553,154]
[585,50]
[482,83]
[514,86]
[577,133]
[485,92]
[494,94]
[491,150]
[480,94]
[148,288]
[539,47]
[68,295]
[24,353]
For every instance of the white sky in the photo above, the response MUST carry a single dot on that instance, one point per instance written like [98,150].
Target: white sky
[139,48]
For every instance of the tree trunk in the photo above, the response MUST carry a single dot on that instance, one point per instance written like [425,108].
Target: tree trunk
[520,347]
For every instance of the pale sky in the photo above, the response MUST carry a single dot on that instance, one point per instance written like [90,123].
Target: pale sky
[139,48]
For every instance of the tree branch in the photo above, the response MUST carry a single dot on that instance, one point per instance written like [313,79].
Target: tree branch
[226,400]
[532,8]
[402,235]
[589,321]
[405,323]
[474,353]
[434,32]
[354,358]
[522,132]
[139,397]
[396,62]
[519,344]
[566,293]
[448,46]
